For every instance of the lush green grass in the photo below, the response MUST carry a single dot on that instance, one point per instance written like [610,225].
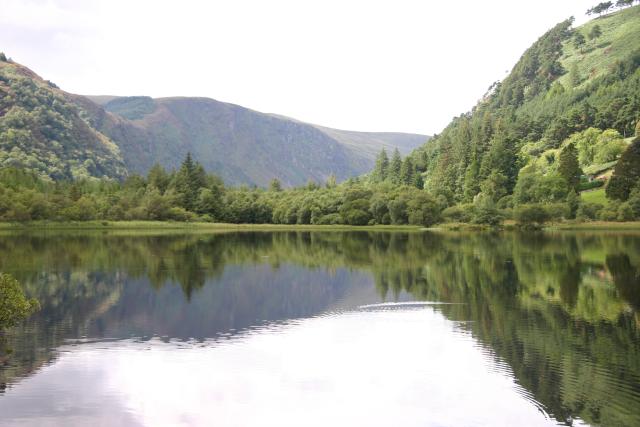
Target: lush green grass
[619,39]
[596,225]
[595,196]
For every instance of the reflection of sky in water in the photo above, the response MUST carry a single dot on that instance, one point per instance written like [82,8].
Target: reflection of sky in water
[407,366]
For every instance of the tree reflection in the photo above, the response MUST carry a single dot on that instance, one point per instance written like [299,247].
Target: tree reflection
[560,309]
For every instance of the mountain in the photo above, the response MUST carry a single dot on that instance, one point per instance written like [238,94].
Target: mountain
[65,136]
[572,82]
[239,144]
[42,130]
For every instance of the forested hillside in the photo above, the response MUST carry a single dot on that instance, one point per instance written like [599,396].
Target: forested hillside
[240,145]
[66,136]
[42,131]
[575,90]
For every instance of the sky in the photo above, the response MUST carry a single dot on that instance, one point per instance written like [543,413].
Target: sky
[397,65]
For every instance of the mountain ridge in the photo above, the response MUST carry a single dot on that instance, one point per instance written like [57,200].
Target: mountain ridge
[123,135]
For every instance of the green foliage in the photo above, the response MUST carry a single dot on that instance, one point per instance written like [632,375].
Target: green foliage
[568,167]
[41,130]
[14,306]
[524,127]
[533,187]
[573,203]
[588,211]
[3,57]
[275,185]
[381,168]
[395,168]
[595,32]
[626,174]
[531,215]
[486,213]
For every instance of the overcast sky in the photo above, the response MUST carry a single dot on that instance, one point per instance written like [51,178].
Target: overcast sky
[361,65]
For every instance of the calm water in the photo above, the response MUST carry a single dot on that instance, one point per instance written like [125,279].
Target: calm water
[324,328]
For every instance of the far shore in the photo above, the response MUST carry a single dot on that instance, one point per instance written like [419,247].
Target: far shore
[210,226]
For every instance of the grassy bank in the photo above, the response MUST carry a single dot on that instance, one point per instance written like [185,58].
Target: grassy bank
[595,225]
[200,226]
[220,227]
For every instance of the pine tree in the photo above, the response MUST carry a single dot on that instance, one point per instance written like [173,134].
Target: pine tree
[381,168]
[188,181]
[158,178]
[407,172]
[395,165]
[626,174]
[569,168]
[332,181]
[275,185]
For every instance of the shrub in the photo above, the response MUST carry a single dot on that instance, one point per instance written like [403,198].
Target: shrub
[588,211]
[329,219]
[588,185]
[609,212]
[486,213]
[177,213]
[625,213]
[557,211]
[459,213]
[423,210]
[531,215]
[14,306]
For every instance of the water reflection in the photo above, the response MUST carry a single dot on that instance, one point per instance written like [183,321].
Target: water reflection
[556,316]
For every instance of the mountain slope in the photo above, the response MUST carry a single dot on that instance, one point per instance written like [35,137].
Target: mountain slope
[239,144]
[369,144]
[67,136]
[570,80]
[41,130]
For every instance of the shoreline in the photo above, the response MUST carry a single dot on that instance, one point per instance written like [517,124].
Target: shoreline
[211,226]
[187,226]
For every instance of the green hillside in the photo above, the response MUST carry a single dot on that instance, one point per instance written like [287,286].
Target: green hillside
[42,131]
[240,145]
[66,136]
[574,87]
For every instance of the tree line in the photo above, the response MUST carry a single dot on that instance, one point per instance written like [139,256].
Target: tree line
[191,194]
[607,6]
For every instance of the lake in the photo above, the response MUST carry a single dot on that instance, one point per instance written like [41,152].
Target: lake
[324,328]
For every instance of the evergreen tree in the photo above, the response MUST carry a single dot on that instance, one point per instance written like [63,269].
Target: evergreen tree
[407,171]
[624,3]
[418,180]
[188,181]
[158,178]
[332,181]
[569,168]
[275,185]
[395,165]
[626,174]
[578,40]
[382,167]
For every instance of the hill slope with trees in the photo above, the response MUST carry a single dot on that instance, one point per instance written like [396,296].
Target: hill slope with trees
[41,130]
[574,91]
[240,145]
[66,136]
